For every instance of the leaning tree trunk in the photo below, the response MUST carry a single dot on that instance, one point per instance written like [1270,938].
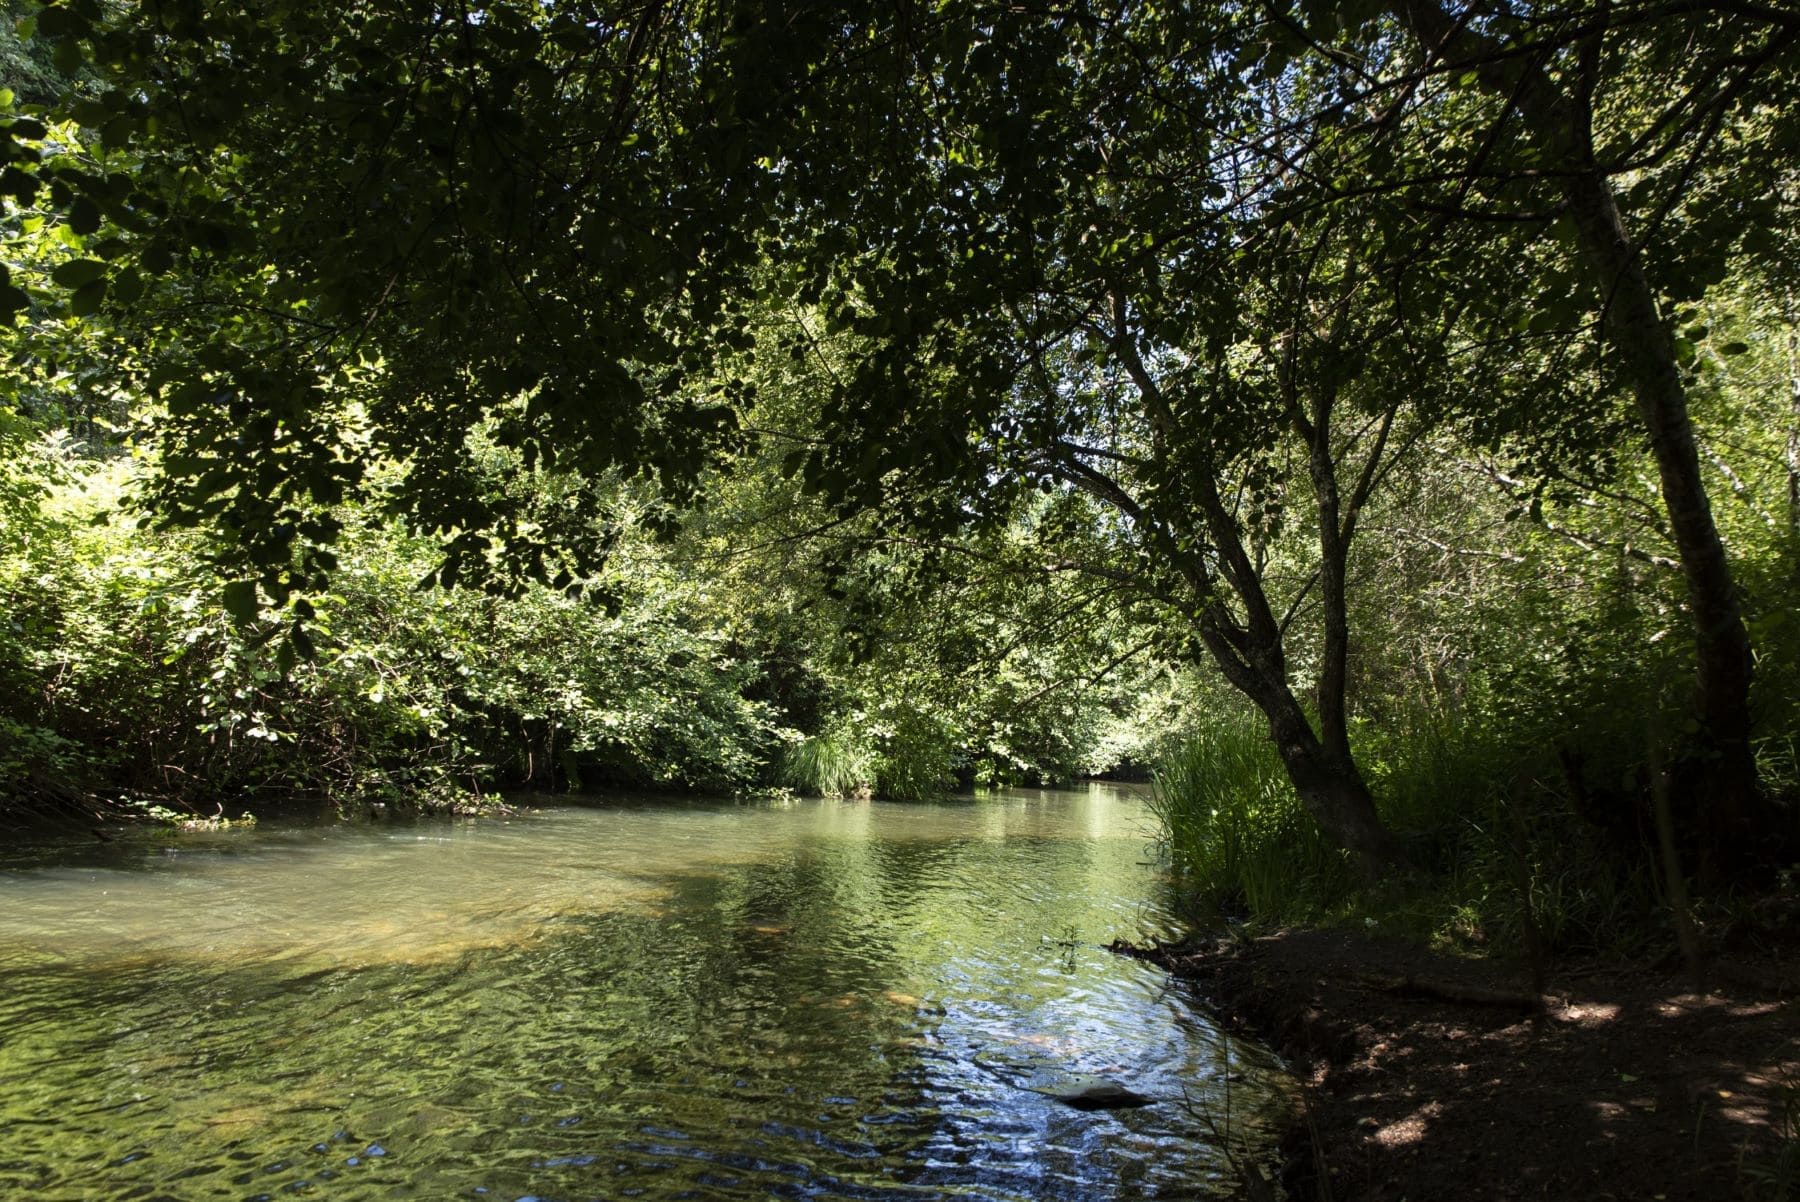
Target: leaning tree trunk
[1250,655]
[1331,787]
[1327,780]
[1736,820]
[1722,645]
[1323,770]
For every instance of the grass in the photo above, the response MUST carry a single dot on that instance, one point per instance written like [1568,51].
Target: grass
[1498,841]
[834,763]
[1235,830]
[904,757]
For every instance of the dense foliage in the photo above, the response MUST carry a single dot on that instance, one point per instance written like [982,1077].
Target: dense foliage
[127,678]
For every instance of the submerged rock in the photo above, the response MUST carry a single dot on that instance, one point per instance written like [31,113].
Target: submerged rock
[1094,1093]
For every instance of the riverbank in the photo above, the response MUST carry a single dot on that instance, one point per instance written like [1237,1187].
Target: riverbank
[1430,1077]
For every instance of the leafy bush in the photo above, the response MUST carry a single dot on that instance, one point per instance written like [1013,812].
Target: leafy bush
[126,676]
[915,754]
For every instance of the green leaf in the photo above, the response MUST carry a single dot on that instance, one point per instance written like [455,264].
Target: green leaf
[239,597]
[77,273]
[87,299]
[67,56]
[54,23]
[127,286]
[14,182]
[84,216]
[1734,348]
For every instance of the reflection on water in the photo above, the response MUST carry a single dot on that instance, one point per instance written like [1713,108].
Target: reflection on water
[807,1000]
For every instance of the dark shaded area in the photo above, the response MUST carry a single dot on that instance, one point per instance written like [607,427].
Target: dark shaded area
[1633,1085]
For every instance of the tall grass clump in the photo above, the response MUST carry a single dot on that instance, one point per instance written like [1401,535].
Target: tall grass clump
[1434,773]
[1501,852]
[1234,830]
[837,762]
[897,753]
[1521,833]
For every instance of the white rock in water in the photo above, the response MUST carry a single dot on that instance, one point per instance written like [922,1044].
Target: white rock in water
[1094,1093]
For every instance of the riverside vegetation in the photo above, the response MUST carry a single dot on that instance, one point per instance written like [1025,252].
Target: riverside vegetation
[1384,418]
[1380,421]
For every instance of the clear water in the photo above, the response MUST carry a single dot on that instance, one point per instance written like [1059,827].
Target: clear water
[629,1000]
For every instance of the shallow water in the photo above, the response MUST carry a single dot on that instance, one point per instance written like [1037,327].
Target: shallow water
[629,1000]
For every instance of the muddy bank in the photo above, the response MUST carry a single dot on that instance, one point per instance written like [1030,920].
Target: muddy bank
[1428,1077]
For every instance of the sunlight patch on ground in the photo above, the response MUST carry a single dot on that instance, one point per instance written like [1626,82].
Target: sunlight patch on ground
[1684,1004]
[1409,1130]
[1589,1014]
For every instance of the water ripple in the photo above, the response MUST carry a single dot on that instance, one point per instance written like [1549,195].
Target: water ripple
[812,1001]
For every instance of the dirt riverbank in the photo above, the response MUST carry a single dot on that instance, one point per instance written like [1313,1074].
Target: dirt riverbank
[1428,1077]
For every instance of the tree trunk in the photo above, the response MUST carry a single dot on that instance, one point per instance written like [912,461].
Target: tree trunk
[1334,614]
[1251,656]
[1792,450]
[1332,789]
[1722,645]
[1329,783]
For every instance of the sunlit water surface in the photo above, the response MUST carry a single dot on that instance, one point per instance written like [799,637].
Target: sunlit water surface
[628,1000]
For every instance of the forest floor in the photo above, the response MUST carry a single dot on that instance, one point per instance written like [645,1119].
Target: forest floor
[1428,1077]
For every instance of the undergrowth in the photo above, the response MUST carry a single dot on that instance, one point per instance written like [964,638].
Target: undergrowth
[837,762]
[1501,835]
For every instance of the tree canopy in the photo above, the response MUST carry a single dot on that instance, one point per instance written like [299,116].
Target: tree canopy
[1205,275]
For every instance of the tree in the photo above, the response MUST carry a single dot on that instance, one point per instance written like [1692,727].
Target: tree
[1114,272]
[1569,100]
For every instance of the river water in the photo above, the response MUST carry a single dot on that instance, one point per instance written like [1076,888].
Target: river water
[630,999]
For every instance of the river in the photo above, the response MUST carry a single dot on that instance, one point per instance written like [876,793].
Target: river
[623,999]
